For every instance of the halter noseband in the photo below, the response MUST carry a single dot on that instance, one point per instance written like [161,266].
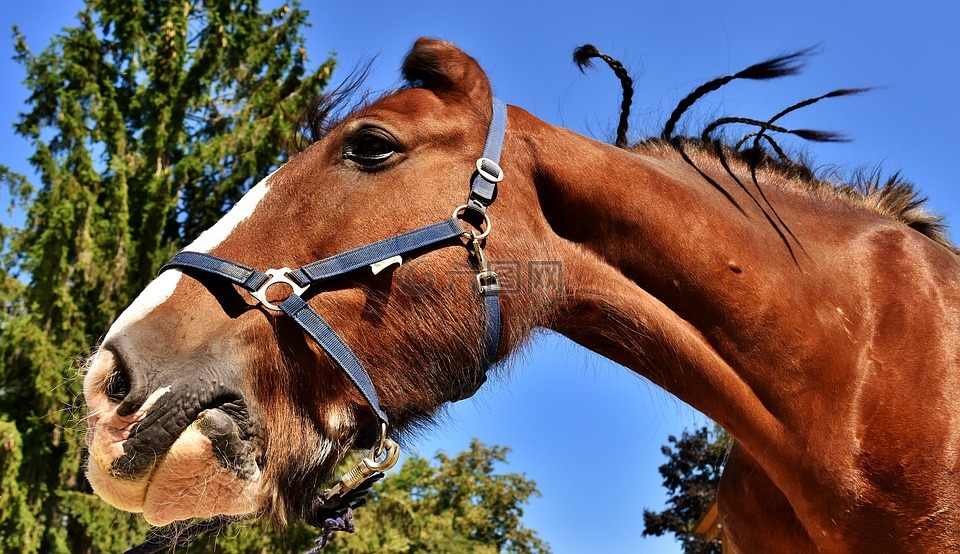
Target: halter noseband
[377,255]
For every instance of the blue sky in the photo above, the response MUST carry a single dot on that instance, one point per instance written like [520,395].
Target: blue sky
[588,431]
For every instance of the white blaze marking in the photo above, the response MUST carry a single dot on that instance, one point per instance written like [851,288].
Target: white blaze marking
[160,289]
[240,211]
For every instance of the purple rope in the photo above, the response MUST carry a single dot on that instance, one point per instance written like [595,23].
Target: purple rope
[330,525]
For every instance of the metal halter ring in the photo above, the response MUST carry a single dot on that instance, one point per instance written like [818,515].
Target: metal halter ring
[485,226]
[276,276]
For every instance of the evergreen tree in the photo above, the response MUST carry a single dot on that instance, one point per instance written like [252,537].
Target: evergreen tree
[148,120]
[691,476]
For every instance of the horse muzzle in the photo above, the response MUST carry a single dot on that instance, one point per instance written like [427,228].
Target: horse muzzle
[175,440]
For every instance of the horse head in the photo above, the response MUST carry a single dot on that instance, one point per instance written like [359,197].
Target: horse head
[203,401]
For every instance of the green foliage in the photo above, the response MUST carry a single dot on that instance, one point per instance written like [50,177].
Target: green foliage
[17,525]
[459,505]
[107,529]
[255,537]
[691,476]
[148,120]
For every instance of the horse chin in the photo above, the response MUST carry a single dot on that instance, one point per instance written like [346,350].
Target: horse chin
[190,481]
[196,478]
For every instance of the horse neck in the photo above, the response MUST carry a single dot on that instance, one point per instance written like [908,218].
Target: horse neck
[803,343]
[666,276]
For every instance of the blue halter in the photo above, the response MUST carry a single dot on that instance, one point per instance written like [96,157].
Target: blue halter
[483,191]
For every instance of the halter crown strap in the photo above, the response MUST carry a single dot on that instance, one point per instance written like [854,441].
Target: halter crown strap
[483,191]
[483,187]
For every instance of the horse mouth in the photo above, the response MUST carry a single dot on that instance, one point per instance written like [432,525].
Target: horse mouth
[210,469]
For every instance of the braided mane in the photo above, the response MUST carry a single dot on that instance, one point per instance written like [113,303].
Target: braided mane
[582,56]
[893,197]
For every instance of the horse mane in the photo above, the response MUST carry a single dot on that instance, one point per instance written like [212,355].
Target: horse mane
[893,197]
[582,57]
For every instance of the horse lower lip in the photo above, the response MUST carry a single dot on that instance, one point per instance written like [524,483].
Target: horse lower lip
[231,451]
[146,446]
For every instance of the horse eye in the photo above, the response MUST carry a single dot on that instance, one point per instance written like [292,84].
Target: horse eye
[370,147]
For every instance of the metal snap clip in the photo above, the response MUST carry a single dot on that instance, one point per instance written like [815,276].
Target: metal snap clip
[366,468]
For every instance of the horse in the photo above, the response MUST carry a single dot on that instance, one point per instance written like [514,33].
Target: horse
[817,322]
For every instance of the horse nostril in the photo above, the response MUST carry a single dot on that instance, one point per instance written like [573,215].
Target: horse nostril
[118,383]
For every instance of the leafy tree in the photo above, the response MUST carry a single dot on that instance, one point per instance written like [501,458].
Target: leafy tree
[148,120]
[691,476]
[459,505]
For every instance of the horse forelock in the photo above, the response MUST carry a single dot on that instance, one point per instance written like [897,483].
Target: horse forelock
[331,107]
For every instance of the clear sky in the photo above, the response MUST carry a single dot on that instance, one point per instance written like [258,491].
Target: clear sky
[588,431]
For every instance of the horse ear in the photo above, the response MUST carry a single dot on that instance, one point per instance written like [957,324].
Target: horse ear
[443,68]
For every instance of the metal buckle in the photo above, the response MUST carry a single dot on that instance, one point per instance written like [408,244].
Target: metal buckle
[486,174]
[276,276]
[488,280]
